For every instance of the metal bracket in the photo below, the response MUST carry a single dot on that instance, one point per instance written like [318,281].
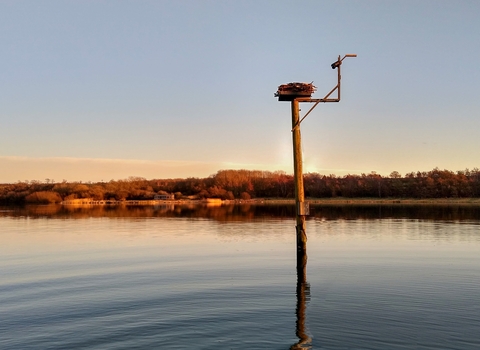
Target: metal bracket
[337,64]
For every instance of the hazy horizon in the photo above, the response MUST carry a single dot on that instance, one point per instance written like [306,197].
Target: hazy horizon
[116,169]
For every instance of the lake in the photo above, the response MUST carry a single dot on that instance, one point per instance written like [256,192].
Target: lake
[199,277]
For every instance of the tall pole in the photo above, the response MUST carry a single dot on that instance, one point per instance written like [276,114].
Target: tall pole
[296,93]
[298,178]
[302,285]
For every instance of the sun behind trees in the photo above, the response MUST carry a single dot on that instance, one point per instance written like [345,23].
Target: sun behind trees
[247,184]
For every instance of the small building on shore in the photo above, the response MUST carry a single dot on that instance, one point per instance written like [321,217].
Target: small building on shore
[164,197]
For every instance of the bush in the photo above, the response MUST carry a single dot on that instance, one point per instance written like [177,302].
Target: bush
[43,197]
[178,195]
[245,196]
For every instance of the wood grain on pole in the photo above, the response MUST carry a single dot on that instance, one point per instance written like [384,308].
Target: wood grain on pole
[298,178]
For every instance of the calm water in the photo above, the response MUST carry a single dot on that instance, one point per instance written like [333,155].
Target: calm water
[225,277]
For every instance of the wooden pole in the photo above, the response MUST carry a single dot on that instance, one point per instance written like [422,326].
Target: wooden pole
[302,285]
[298,178]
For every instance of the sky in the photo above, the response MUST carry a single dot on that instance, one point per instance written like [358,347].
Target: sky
[101,90]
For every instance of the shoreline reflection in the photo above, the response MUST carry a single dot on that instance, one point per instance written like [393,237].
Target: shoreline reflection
[242,212]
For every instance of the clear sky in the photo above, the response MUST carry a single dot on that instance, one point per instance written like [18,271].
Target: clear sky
[100,90]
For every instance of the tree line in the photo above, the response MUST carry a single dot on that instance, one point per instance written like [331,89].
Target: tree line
[248,184]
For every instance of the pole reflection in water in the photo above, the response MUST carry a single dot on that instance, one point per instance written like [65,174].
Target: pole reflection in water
[303,296]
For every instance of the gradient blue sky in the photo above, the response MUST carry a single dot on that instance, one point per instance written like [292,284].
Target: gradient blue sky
[100,90]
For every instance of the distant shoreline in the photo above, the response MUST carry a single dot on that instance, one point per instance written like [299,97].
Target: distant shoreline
[290,201]
[381,201]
